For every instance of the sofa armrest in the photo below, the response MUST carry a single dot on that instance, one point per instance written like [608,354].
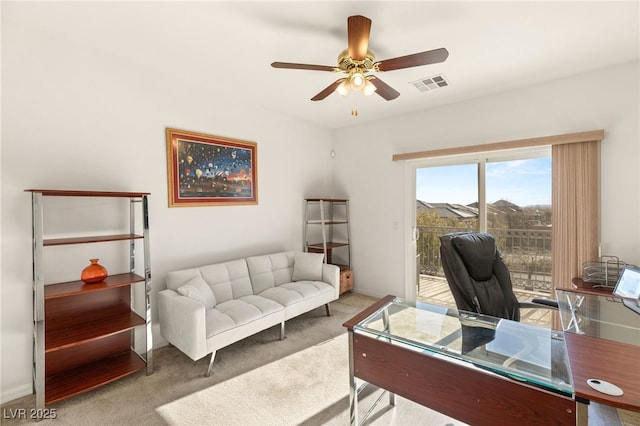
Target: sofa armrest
[331,275]
[183,323]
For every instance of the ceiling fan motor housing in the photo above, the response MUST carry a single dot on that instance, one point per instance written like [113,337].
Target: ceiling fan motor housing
[347,64]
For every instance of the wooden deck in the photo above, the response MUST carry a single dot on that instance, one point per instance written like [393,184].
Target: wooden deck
[436,290]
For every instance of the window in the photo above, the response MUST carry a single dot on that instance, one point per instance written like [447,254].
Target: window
[575,195]
[507,194]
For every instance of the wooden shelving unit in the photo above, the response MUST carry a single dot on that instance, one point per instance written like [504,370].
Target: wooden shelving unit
[86,240]
[84,334]
[328,214]
[90,376]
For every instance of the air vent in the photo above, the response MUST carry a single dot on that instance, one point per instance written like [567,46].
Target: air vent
[430,83]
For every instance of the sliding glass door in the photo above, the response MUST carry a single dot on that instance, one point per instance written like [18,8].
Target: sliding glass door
[507,194]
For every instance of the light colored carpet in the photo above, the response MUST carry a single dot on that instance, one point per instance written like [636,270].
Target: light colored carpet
[260,380]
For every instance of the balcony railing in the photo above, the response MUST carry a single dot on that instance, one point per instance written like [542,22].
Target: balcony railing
[527,253]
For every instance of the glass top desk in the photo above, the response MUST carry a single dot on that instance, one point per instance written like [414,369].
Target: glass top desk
[598,315]
[603,343]
[472,367]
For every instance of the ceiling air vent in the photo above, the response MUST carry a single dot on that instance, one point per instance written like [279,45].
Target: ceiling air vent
[430,83]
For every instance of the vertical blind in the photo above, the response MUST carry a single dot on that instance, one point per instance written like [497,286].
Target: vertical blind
[575,202]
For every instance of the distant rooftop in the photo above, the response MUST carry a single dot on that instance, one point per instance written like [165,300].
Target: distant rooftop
[468,211]
[449,210]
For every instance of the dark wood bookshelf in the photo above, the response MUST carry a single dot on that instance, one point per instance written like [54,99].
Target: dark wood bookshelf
[88,330]
[91,376]
[74,288]
[75,193]
[330,245]
[85,332]
[320,214]
[91,239]
[319,248]
[327,222]
[329,200]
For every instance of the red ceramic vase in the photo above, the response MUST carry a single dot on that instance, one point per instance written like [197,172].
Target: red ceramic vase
[93,273]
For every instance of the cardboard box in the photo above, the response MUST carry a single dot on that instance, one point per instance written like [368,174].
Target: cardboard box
[346,280]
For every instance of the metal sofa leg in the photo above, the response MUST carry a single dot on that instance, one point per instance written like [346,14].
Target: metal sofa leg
[282,335]
[328,308]
[213,357]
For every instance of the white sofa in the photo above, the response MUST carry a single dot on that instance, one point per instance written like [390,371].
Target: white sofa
[207,308]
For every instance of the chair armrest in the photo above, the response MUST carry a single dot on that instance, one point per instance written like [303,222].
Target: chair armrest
[540,303]
[331,275]
[183,323]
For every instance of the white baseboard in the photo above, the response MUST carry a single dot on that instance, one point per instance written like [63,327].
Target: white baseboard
[15,393]
[158,340]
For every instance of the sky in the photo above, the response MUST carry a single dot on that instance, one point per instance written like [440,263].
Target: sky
[522,182]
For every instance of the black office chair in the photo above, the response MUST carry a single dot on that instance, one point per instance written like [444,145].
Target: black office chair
[478,277]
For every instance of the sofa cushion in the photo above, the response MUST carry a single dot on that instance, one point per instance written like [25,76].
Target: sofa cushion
[196,288]
[176,279]
[270,270]
[234,313]
[294,292]
[228,280]
[307,266]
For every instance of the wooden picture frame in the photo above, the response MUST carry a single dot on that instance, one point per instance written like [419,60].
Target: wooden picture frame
[206,170]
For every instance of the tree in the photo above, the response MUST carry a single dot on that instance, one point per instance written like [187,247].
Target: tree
[429,244]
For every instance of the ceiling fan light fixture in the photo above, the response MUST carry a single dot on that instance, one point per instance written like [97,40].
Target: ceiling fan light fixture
[357,80]
[343,88]
[369,88]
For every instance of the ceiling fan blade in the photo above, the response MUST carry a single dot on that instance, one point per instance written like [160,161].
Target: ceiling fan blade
[328,90]
[383,89]
[358,29]
[289,65]
[417,59]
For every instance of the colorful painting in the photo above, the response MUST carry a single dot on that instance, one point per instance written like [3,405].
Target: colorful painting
[210,170]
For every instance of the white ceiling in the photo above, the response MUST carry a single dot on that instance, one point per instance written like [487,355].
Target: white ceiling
[227,47]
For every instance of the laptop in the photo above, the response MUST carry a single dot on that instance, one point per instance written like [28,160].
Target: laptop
[628,287]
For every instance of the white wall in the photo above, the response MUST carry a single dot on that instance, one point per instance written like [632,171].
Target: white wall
[606,99]
[77,119]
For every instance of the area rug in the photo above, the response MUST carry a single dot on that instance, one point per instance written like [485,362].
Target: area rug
[290,391]
[309,387]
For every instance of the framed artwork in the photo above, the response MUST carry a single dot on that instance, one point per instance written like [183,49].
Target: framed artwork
[206,170]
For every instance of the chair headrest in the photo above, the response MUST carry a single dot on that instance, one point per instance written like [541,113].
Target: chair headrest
[478,252]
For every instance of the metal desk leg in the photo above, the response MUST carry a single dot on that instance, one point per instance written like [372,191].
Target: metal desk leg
[575,319]
[353,392]
[385,322]
[582,413]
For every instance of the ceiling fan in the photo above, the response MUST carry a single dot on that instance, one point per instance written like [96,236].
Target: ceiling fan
[357,61]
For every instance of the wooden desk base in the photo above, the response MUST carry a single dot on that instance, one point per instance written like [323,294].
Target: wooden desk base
[453,388]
